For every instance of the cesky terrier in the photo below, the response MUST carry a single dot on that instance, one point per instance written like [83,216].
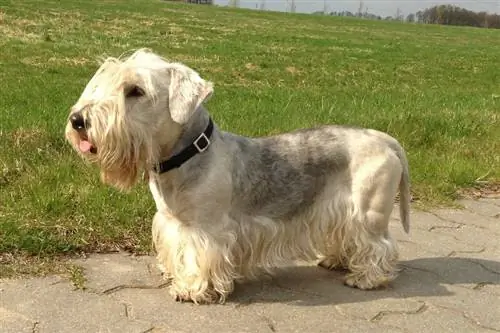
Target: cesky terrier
[230,207]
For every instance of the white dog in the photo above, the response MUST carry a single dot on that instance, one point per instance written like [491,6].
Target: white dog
[231,207]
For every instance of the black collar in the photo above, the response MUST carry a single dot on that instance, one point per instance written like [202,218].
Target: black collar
[199,145]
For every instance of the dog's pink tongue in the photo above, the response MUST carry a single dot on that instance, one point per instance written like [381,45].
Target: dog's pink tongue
[85,146]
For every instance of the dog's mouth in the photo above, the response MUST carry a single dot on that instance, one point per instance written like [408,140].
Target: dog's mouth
[85,145]
[81,125]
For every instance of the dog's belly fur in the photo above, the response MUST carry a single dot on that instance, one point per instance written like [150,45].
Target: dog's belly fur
[306,232]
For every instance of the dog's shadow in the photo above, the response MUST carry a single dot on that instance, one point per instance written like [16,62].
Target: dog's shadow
[313,285]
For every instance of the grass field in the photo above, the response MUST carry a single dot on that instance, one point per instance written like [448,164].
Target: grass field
[436,89]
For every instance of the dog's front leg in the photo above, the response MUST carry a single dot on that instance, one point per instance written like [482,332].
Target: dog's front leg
[197,264]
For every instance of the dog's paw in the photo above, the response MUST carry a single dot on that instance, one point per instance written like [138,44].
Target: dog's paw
[361,282]
[161,268]
[207,297]
[331,263]
[164,273]
[182,298]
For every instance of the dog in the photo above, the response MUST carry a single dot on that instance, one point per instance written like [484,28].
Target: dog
[229,207]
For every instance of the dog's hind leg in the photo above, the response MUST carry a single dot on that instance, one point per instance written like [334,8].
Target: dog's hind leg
[373,261]
[373,253]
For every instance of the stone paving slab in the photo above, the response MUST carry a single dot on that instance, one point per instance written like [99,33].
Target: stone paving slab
[450,282]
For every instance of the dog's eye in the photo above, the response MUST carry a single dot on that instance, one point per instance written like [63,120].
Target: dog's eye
[134,91]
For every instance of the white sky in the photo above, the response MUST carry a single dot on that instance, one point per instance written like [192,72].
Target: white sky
[378,7]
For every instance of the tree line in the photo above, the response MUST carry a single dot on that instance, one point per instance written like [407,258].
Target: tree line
[441,14]
[454,15]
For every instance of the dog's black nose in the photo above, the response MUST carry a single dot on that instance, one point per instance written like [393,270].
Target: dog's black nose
[77,121]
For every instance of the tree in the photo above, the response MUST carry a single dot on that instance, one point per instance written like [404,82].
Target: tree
[410,18]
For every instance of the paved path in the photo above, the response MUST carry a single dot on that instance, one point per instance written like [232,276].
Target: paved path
[450,283]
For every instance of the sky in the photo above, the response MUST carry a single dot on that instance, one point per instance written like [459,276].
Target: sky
[378,7]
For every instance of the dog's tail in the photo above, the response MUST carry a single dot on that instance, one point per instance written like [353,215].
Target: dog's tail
[404,190]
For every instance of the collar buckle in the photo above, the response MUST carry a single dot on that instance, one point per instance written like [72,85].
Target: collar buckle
[201,146]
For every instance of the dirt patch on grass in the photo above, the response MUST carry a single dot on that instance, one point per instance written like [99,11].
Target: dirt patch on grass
[482,189]
[238,79]
[113,27]
[20,265]
[193,59]
[37,61]
[24,23]
[32,61]
[12,32]
[252,67]
[28,136]
[293,70]
[39,29]
[78,61]
[283,49]
[15,28]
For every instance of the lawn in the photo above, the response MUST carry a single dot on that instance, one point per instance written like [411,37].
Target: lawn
[436,89]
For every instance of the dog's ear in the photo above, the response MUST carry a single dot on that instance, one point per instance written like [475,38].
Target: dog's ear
[186,92]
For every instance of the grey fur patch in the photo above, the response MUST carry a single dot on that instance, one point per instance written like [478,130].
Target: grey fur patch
[281,175]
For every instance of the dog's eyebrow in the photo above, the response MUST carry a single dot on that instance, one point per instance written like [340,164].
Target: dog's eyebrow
[83,108]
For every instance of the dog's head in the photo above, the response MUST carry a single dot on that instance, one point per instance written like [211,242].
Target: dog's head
[131,110]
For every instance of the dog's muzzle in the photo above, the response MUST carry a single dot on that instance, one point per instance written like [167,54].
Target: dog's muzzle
[81,125]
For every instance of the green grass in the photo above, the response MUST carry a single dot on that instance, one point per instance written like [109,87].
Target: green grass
[436,89]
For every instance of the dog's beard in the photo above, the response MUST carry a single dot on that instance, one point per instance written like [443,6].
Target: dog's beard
[120,151]
[122,154]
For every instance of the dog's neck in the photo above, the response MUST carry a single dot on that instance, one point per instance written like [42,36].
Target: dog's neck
[195,126]
[162,183]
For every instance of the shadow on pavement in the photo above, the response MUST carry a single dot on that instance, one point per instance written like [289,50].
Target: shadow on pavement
[313,286]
